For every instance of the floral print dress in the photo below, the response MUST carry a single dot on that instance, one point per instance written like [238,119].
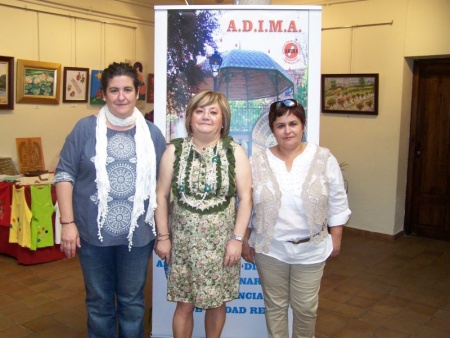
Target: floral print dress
[202,223]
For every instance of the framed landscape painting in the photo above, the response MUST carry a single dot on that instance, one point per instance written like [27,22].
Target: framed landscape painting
[350,93]
[6,82]
[38,82]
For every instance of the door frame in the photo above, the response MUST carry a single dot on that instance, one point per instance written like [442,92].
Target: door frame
[414,147]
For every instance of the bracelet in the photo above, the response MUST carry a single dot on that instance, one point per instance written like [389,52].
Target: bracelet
[61,222]
[238,238]
[161,234]
[164,239]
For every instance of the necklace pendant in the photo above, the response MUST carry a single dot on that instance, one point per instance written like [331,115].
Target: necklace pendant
[215,159]
[181,188]
[207,188]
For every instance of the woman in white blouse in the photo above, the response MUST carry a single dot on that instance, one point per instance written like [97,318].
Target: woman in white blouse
[300,207]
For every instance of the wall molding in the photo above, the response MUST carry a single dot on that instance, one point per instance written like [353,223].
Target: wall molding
[89,12]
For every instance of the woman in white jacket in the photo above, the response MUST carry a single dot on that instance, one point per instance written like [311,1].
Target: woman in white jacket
[300,206]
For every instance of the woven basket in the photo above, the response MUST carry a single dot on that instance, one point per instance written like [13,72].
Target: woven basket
[7,166]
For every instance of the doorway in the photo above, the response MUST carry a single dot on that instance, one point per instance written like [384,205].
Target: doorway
[427,211]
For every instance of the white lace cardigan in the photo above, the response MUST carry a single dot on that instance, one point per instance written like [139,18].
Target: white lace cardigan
[266,190]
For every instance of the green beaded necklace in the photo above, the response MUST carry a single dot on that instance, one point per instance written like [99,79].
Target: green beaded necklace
[210,178]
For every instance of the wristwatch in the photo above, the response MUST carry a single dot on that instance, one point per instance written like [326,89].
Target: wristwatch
[238,238]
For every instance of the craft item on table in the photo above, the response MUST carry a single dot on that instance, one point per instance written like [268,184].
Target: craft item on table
[42,209]
[35,180]
[20,229]
[7,167]
[5,203]
[30,156]
[44,177]
[9,178]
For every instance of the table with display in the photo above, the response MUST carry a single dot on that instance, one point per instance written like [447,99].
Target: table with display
[25,255]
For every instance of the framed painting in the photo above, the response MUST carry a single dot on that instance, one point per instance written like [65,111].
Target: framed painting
[350,93]
[96,94]
[151,88]
[75,84]
[6,82]
[38,82]
[142,89]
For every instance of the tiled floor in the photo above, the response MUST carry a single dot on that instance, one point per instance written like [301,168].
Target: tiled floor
[375,288]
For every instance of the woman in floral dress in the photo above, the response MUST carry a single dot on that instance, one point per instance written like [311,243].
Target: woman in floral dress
[205,172]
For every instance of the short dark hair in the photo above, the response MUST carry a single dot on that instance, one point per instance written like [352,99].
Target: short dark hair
[297,111]
[206,98]
[118,69]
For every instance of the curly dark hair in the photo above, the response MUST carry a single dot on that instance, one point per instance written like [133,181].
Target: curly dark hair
[118,69]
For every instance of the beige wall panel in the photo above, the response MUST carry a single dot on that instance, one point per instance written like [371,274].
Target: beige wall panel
[55,38]
[89,44]
[428,28]
[120,44]
[18,40]
[336,51]
[140,10]
[145,38]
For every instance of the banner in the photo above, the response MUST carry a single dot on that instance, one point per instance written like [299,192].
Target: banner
[245,316]
[254,55]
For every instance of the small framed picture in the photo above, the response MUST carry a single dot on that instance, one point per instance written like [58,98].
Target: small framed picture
[75,84]
[38,82]
[350,93]
[6,82]
[96,94]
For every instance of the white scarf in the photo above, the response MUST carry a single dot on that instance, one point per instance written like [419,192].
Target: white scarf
[145,167]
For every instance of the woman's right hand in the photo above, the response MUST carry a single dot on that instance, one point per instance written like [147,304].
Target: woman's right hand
[163,249]
[70,240]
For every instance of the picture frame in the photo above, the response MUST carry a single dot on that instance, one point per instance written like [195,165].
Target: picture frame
[6,82]
[38,82]
[140,68]
[350,93]
[75,85]
[96,94]
[151,88]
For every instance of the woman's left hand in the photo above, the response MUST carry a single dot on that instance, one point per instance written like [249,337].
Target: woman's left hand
[336,237]
[233,252]
[70,240]
[248,253]
[163,249]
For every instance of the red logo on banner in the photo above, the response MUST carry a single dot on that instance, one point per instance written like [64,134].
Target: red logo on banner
[291,51]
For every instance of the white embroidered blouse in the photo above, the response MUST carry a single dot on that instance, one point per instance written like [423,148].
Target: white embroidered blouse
[297,204]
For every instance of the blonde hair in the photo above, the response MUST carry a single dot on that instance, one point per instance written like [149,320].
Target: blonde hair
[206,98]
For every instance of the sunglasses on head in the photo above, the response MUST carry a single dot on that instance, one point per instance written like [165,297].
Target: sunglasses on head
[290,103]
